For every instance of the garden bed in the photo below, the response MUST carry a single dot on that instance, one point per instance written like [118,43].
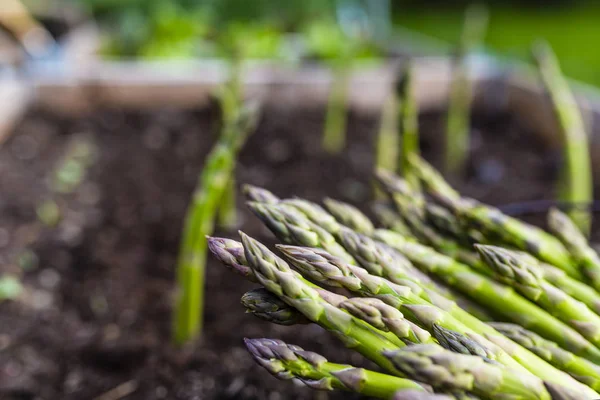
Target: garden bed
[95,314]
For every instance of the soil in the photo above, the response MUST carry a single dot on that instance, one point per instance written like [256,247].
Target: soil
[94,317]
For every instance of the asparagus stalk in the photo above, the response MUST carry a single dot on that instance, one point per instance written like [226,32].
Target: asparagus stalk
[579,368]
[231,101]
[576,183]
[386,318]
[231,254]
[285,361]
[258,194]
[446,370]
[387,139]
[493,223]
[574,288]
[319,266]
[278,278]
[334,135]
[461,90]
[432,181]
[315,213]
[260,302]
[460,343]
[291,226]
[499,298]
[521,271]
[575,241]
[388,217]
[411,206]
[199,221]
[409,123]
[350,216]
[268,307]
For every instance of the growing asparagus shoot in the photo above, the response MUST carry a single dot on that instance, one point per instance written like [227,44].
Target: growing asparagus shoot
[461,89]
[576,184]
[200,221]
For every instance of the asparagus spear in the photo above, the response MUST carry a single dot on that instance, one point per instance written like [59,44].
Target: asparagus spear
[277,277]
[314,212]
[388,217]
[446,370]
[409,123]
[411,206]
[579,368]
[574,288]
[266,306]
[574,240]
[291,226]
[520,271]
[460,343]
[492,222]
[576,183]
[432,181]
[502,300]
[199,221]
[231,254]
[350,216]
[386,318]
[386,148]
[285,361]
[461,90]
[322,267]
[334,134]
[258,194]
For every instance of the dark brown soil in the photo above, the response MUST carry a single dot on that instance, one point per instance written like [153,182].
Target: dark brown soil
[95,313]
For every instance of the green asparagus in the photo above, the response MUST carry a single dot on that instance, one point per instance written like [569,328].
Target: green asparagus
[581,369]
[388,217]
[200,220]
[319,266]
[492,222]
[231,254]
[349,216]
[574,240]
[576,184]
[292,226]
[501,299]
[460,343]
[258,194]
[266,306]
[461,89]
[408,123]
[446,370]
[521,271]
[286,361]
[386,318]
[574,288]
[278,278]
[411,206]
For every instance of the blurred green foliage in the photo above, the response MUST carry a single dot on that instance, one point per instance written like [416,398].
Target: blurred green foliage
[170,29]
[571,28]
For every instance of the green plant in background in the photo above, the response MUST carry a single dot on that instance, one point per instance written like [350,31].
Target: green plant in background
[461,91]
[408,123]
[341,51]
[200,220]
[238,42]
[576,184]
[387,145]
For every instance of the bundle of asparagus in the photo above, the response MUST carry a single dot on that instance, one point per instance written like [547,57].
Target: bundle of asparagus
[419,294]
